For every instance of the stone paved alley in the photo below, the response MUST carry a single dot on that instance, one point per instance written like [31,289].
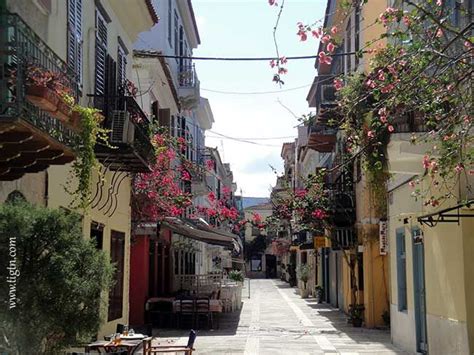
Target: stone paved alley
[276,320]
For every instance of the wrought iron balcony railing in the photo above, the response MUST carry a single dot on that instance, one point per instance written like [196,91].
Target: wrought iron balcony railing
[129,136]
[187,76]
[22,50]
[343,238]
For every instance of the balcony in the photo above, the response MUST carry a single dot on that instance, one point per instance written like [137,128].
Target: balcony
[130,146]
[342,198]
[321,138]
[404,157]
[34,132]
[188,86]
[343,238]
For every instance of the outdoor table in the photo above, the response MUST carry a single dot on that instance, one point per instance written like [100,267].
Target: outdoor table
[131,343]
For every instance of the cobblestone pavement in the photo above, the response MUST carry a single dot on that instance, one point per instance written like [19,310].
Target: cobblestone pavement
[275,320]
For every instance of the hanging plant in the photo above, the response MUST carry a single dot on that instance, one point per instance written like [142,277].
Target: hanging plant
[90,132]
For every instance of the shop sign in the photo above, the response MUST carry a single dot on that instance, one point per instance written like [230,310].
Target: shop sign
[383,237]
[319,242]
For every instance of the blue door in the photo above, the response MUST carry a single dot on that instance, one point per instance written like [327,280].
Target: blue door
[419,289]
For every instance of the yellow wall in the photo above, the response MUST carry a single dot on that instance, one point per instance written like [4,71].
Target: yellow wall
[52,29]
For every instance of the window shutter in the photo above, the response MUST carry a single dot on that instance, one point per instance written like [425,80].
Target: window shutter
[121,65]
[100,55]
[164,115]
[74,37]
[111,85]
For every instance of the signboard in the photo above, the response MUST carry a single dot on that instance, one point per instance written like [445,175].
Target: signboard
[319,242]
[383,237]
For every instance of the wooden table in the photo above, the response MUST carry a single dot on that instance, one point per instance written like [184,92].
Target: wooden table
[129,345]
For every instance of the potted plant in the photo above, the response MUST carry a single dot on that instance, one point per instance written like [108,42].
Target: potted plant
[236,275]
[40,88]
[304,272]
[356,314]
[319,293]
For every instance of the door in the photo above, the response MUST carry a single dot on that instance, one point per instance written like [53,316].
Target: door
[419,289]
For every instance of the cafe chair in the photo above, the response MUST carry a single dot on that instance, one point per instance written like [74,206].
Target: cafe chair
[150,349]
[203,310]
[186,310]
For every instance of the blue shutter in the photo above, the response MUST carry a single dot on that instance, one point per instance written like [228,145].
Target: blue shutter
[401,270]
[74,37]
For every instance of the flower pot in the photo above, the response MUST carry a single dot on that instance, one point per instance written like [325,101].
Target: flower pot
[42,97]
[357,322]
[75,121]
[304,293]
[63,112]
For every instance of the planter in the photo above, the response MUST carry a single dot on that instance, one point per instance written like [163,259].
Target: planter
[357,322]
[75,121]
[63,112]
[42,97]
[304,293]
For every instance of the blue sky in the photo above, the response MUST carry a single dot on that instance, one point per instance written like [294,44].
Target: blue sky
[244,28]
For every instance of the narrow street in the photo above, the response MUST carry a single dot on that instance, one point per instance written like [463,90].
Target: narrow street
[276,320]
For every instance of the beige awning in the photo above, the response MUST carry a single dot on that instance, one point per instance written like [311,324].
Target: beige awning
[210,237]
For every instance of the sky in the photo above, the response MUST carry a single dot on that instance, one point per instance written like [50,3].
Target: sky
[230,28]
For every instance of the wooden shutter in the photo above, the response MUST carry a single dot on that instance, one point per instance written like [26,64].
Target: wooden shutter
[164,117]
[74,37]
[100,57]
[111,92]
[117,256]
[121,65]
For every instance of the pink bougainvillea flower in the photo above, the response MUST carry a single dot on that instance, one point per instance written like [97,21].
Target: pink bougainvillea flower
[272,63]
[371,134]
[439,2]
[319,214]
[211,196]
[439,33]
[283,60]
[406,20]
[459,168]
[185,175]
[272,3]
[338,84]
[282,70]
[326,39]
[412,184]
[302,34]
[381,75]
[387,88]
[301,193]
[390,128]
[426,162]
[210,164]
[334,30]
[371,84]
[324,58]
[315,33]
[330,47]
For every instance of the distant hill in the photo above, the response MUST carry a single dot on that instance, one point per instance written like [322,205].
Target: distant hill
[253,201]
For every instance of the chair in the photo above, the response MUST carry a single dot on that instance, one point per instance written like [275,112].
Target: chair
[149,349]
[161,313]
[186,309]
[203,310]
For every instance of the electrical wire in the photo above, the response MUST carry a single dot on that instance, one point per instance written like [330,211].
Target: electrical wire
[253,59]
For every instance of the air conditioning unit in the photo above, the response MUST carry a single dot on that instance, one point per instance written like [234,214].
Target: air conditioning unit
[328,94]
[123,129]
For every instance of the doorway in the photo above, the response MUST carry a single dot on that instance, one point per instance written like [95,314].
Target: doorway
[271,266]
[419,290]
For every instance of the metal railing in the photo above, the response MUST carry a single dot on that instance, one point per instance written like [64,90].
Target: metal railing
[411,123]
[187,77]
[22,49]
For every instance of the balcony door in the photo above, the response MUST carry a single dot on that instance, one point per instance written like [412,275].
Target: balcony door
[419,290]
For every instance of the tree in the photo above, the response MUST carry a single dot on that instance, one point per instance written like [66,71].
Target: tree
[55,278]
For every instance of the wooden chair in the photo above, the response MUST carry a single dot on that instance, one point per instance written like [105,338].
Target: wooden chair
[186,310]
[203,310]
[149,349]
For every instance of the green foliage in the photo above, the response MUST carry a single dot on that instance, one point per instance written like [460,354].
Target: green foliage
[236,275]
[59,280]
[304,273]
[90,133]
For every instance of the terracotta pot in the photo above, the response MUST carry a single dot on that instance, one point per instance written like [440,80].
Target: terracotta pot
[42,97]
[357,322]
[75,121]
[63,112]
[304,293]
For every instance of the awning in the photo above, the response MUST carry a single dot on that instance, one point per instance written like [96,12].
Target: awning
[448,215]
[210,237]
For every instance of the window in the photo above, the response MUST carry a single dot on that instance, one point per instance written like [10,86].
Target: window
[360,270]
[74,37]
[181,48]
[170,19]
[100,54]
[97,234]
[401,270]
[348,42]
[356,34]
[176,35]
[304,257]
[117,255]
[121,63]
